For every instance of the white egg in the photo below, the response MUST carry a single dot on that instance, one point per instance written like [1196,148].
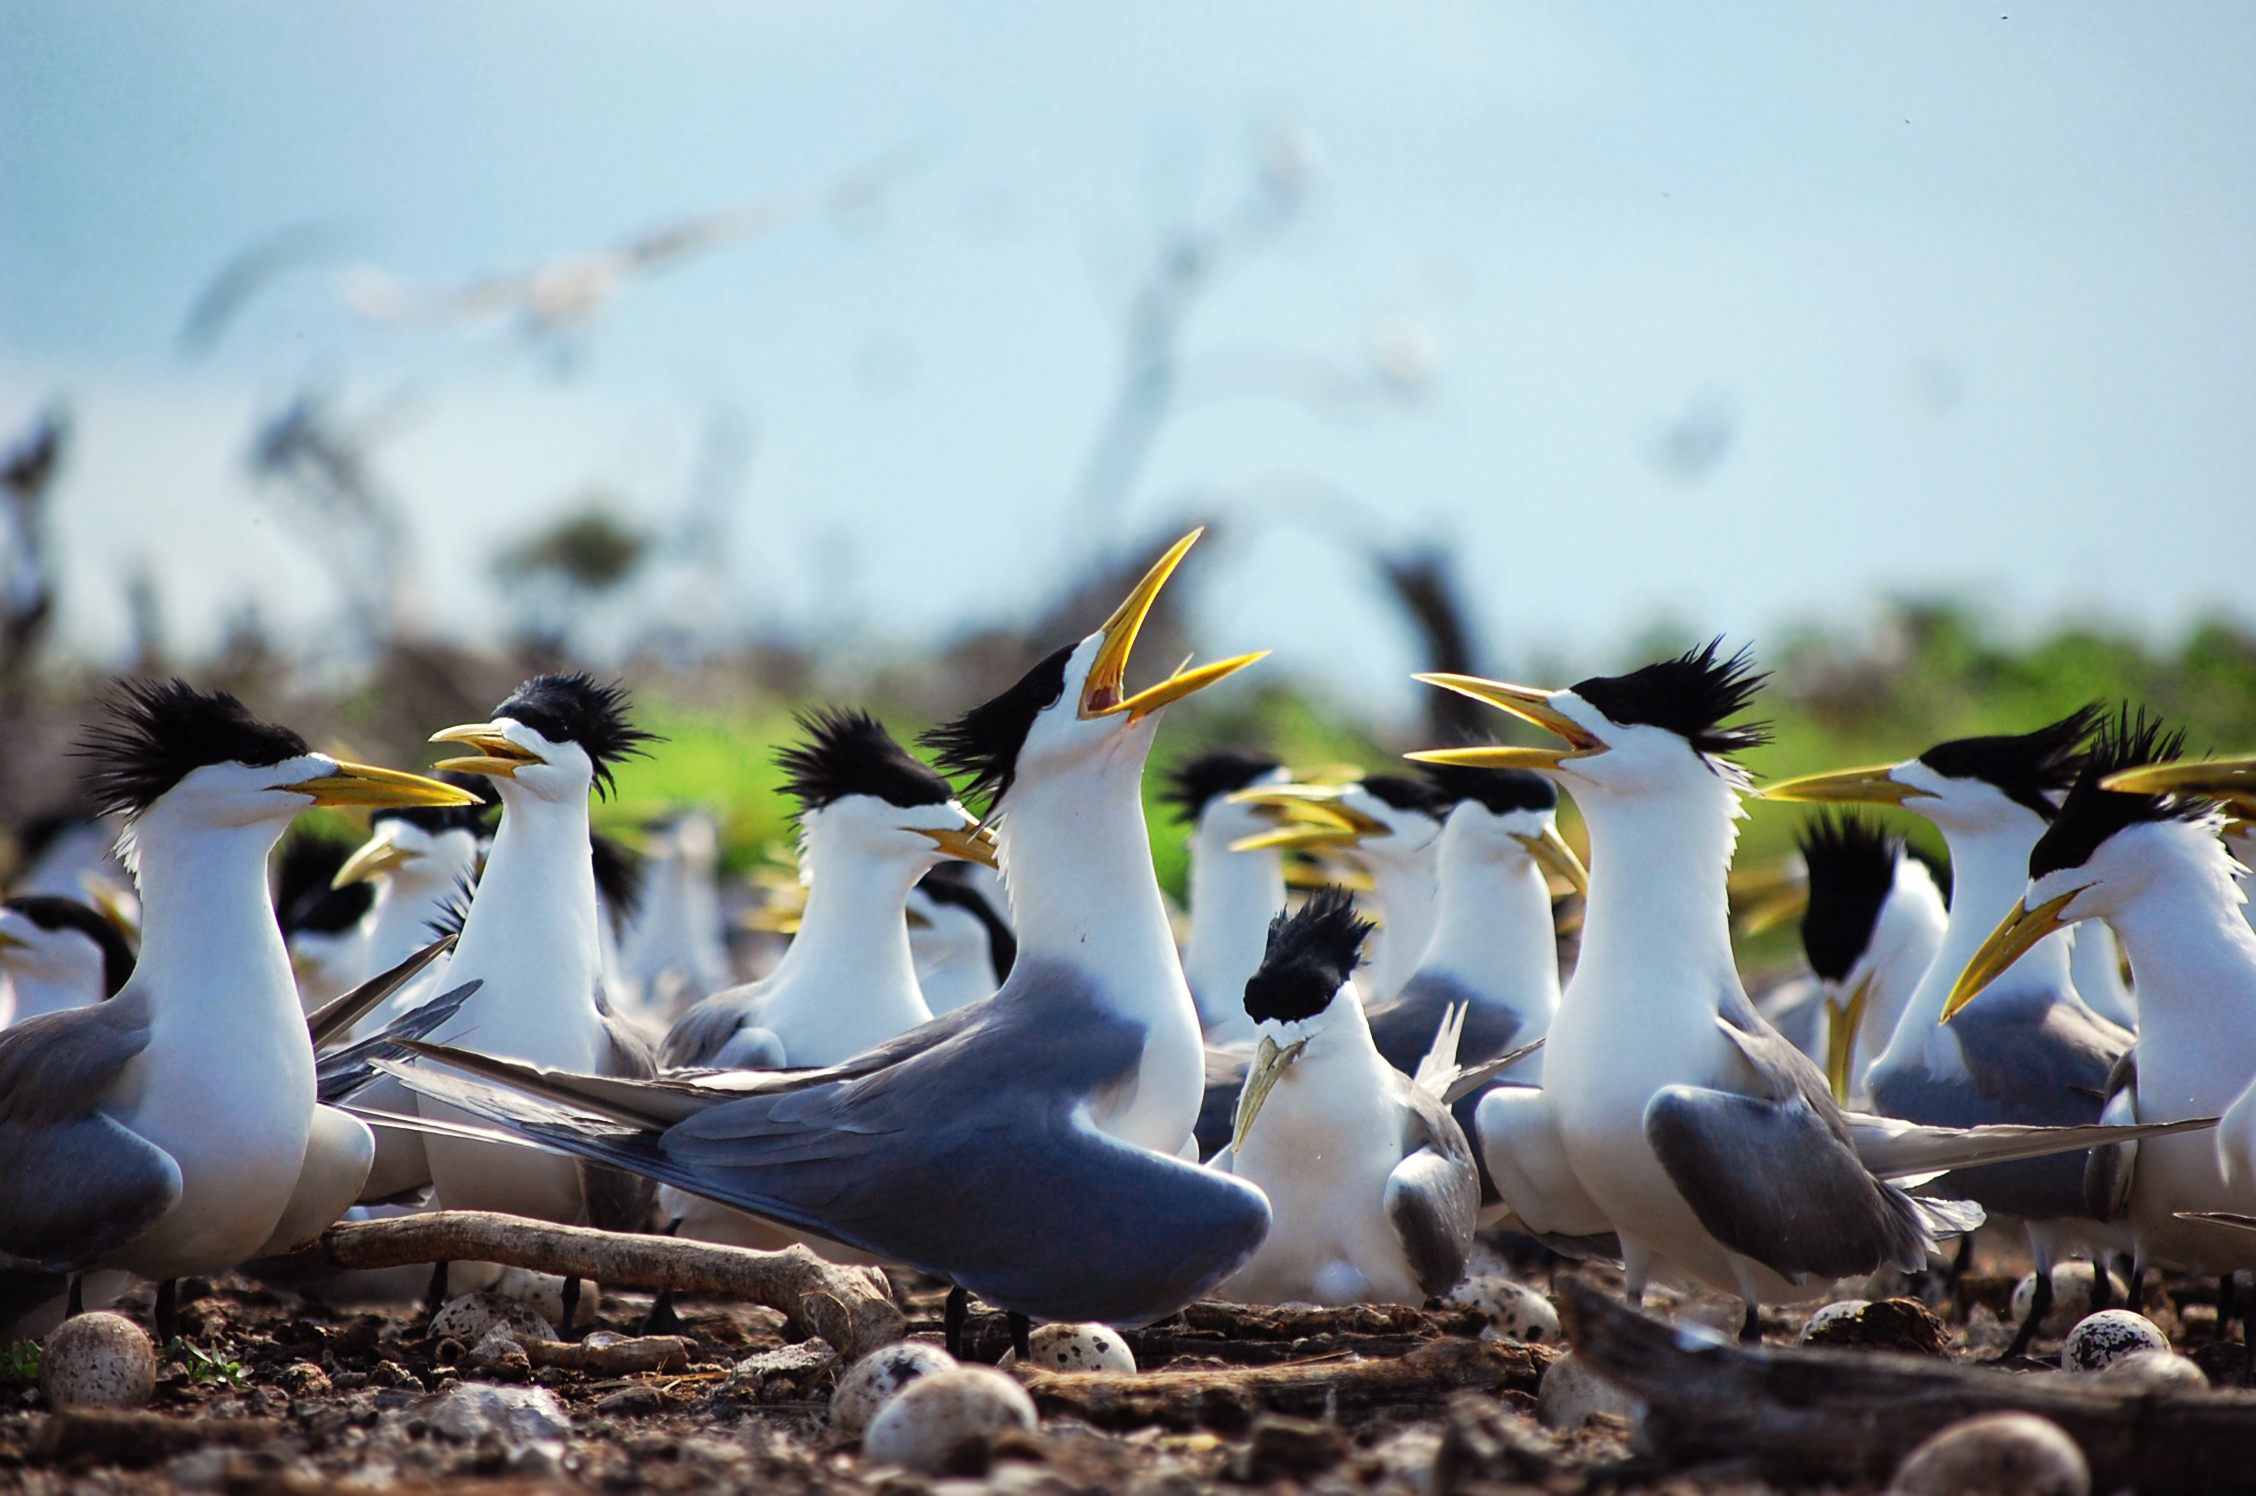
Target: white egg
[2099,1340]
[929,1426]
[1079,1348]
[1514,1311]
[100,1360]
[869,1382]
[1997,1454]
[1570,1394]
[473,1316]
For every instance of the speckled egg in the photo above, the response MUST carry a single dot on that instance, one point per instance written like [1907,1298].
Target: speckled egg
[1570,1394]
[1514,1311]
[869,1382]
[1079,1348]
[473,1316]
[2099,1340]
[1997,1454]
[2072,1284]
[97,1360]
[1830,1316]
[2157,1371]
[943,1423]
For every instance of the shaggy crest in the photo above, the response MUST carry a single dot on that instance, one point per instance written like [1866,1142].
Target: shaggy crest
[982,746]
[1311,954]
[851,753]
[1852,865]
[1690,696]
[2090,815]
[1195,782]
[1406,792]
[2028,768]
[576,708]
[159,732]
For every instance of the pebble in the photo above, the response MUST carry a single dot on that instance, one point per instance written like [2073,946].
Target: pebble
[2157,1371]
[520,1415]
[97,1360]
[2101,1339]
[876,1377]
[1079,1348]
[1570,1394]
[2072,1284]
[1997,1454]
[472,1316]
[944,1423]
[1514,1311]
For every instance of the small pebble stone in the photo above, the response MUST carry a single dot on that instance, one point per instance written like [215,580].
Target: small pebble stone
[1514,1311]
[518,1415]
[1570,1394]
[2072,1284]
[97,1360]
[2101,1339]
[1997,1454]
[869,1382]
[1079,1348]
[2157,1371]
[945,1423]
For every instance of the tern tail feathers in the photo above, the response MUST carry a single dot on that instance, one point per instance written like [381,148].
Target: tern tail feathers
[1476,1077]
[1898,1150]
[335,1018]
[1438,1070]
[344,1073]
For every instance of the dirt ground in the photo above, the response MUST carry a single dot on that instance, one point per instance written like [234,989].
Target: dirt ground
[285,1395]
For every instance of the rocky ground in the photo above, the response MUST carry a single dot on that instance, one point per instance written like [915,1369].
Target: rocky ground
[271,1391]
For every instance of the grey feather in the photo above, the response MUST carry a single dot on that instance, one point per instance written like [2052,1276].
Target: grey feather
[1404,1027]
[344,1073]
[1433,1195]
[2110,1170]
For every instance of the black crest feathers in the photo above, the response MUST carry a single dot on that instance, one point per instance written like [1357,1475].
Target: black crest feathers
[2090,815]
[1851,864]
[851,753]
[1406,792]
[577,708]
[1501,791]
[1311,953]
[982,745]
[2028,768]
[1690,696]
[155,733]
[1194,782]
[51,913]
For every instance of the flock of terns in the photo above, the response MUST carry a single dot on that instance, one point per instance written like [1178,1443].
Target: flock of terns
[985,1054]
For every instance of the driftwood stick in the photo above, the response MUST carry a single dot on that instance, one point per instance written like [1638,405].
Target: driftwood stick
[849,1307]
[617,1358]
[1345,1390]
[1256,1334]
[122,1436]
[1810,1415]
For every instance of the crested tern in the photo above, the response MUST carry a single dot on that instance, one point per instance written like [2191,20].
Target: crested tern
[962,943]
[57,954]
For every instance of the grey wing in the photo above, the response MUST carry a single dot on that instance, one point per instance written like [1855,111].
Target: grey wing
[2109,1170]
[1433,1196]
[618,1199]
[700,1034]
[1404,1028]
[77,1183]
[343,1074]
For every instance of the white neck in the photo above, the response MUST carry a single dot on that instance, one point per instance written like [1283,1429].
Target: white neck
[407,900]
[2193,958]
[1234,895]
[1404,886]
[1492,923]
[849,968]
[211,953]
[1989,872]
[1659,866]
[531,934]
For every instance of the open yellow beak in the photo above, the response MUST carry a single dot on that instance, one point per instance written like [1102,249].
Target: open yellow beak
[1298,838]
[372,860]
[2021,928]
[2210,776]
[1551,852]
[1529,704]
[1867,786]
[364,784]
[1314,815]
[971,844]
[1101,695]
[1840,1036]
[495,756]
[1270,1062]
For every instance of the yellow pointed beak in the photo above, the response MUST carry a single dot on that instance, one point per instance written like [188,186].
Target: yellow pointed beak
[1551,851]
[970,844]
[1867,786]
[364,784]
[1528,703]
[2210,776]
[495,756]
[1102,695]
[1270,1061]
[1840,1036]
[1298,838]
[2021,928]
[10,942]
[372,860]
[1311,805]
[1766,912]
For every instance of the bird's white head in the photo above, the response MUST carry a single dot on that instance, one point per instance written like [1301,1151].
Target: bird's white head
[556,738]
[48,941]
[1968,785]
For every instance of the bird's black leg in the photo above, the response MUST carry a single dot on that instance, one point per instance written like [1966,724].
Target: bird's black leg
[1022,1336]
[2103,1283]
[168,1311]
[2040,1305]
[1750,1327]
[952,1320]
[1961,1263]
[434,1297]
[571,1308]
[74,1301]
[2137,1281]
[662,1320]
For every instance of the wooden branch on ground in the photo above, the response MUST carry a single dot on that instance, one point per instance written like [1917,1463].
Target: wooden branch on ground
[1348,1391]
[1808,1415]
[1256,1334]
[847,1306]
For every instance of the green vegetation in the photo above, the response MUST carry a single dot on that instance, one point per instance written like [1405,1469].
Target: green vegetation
[19,1361]
[203,1367]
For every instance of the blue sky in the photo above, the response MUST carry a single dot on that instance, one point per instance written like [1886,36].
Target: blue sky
[1968,292]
